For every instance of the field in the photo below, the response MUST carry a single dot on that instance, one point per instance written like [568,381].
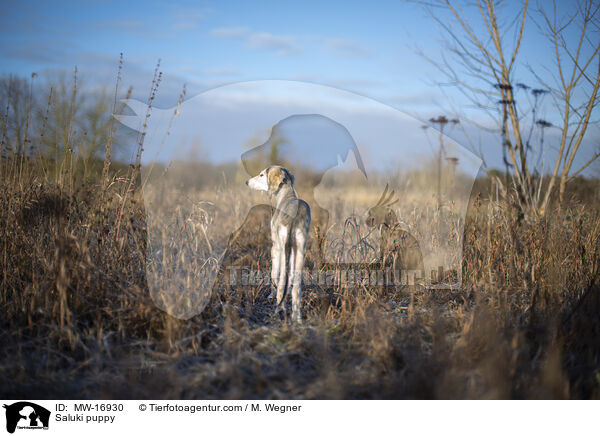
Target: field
[78,319]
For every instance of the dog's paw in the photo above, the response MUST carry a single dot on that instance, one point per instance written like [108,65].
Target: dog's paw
[278,315]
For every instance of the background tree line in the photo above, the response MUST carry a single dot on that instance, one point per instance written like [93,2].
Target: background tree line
[57,118]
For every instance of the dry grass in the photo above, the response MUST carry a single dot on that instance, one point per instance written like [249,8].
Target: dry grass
[78,321]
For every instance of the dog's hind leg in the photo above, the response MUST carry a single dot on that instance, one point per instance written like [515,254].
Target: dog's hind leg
[274,268]
[282,236]
[296,267]
[291,268]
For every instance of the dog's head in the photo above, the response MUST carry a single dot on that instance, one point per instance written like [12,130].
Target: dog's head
[271,179]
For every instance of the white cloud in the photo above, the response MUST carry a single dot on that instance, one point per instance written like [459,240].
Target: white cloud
[120,25]
[222,72]
[229,32]
[281,45]
[211,71]
[187,18]
[345,48]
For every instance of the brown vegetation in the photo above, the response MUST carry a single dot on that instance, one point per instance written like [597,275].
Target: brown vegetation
[77,320]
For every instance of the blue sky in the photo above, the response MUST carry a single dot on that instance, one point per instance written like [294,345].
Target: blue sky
[205,44]
[366,48]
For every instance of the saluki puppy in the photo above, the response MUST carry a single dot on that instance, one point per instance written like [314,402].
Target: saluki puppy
[290,225]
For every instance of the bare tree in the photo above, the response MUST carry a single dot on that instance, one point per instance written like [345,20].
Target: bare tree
[480,60]
[77,120]
[53,117]
[16,103]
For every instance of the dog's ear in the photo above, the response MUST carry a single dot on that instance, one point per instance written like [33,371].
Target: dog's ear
[289,177]
[275,177]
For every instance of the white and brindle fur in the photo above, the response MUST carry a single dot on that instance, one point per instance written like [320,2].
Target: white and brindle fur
[290,225]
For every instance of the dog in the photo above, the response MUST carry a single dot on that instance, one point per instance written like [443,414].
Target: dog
[299,139]
[290,224]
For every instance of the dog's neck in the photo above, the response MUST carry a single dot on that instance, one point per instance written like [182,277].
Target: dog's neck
[282,196]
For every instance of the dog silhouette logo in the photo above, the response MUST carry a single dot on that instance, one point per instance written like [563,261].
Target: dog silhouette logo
[26,415]
[309,145]
[344,150]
